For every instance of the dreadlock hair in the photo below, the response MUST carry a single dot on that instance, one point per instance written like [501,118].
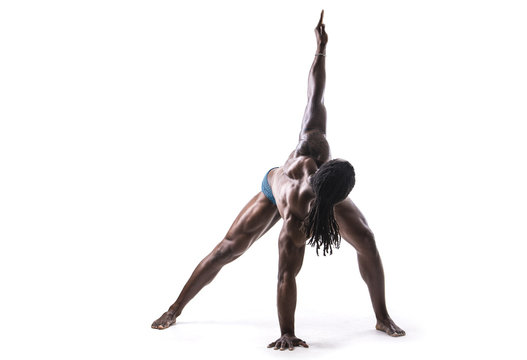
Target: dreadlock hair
[331,183]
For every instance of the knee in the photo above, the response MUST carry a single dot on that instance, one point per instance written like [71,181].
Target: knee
[366,245]
[225,252]
[285,277]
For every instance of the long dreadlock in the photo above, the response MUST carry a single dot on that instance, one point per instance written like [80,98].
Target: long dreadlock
[331,183]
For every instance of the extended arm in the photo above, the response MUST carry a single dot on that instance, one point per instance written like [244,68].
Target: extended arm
[291,256]
[315,113]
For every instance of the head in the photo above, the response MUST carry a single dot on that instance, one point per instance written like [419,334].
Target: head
[331,184]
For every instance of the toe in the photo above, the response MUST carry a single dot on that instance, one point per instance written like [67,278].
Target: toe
[399,332]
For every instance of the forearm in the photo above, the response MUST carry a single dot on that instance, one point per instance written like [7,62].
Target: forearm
[315,113]
[289,264]
[317,77]
[286,304]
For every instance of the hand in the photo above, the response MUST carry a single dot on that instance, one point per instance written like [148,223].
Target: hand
[287,341]
[320,32]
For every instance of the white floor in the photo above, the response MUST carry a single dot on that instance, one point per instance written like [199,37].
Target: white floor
[109,317]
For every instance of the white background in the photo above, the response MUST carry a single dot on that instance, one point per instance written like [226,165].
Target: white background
[132,133]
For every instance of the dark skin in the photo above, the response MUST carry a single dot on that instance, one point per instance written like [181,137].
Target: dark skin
[294,196]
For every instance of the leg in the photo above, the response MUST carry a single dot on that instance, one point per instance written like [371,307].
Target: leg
[355,230]
[256,218]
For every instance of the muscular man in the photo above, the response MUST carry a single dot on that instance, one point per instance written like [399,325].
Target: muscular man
[309,192]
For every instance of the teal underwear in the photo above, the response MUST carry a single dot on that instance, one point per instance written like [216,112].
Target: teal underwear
[266,188]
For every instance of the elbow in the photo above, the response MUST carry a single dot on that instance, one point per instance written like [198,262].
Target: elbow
[315,99]
[367,247]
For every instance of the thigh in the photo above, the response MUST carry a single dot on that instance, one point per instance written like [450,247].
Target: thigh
[255,219]
[352,225]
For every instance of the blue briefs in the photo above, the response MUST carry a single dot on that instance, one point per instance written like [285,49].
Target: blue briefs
[266,188]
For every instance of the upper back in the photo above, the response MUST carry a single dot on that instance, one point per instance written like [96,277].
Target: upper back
[291,187]
[290,183]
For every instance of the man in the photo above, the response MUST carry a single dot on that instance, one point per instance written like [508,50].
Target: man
[309,192]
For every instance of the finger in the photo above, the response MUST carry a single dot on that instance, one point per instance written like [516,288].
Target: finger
[282,347]
[271,344]
[277,345]
[303,343]
[291,346]
[321,18]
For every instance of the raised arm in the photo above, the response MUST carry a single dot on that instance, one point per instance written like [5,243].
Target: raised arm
[315,113]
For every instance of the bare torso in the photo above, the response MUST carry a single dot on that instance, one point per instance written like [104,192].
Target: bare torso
[293,192]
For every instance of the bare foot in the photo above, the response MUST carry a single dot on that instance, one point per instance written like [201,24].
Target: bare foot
[389,327]
[165,321]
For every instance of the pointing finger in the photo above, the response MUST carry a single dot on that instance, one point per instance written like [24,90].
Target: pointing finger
[321,18]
